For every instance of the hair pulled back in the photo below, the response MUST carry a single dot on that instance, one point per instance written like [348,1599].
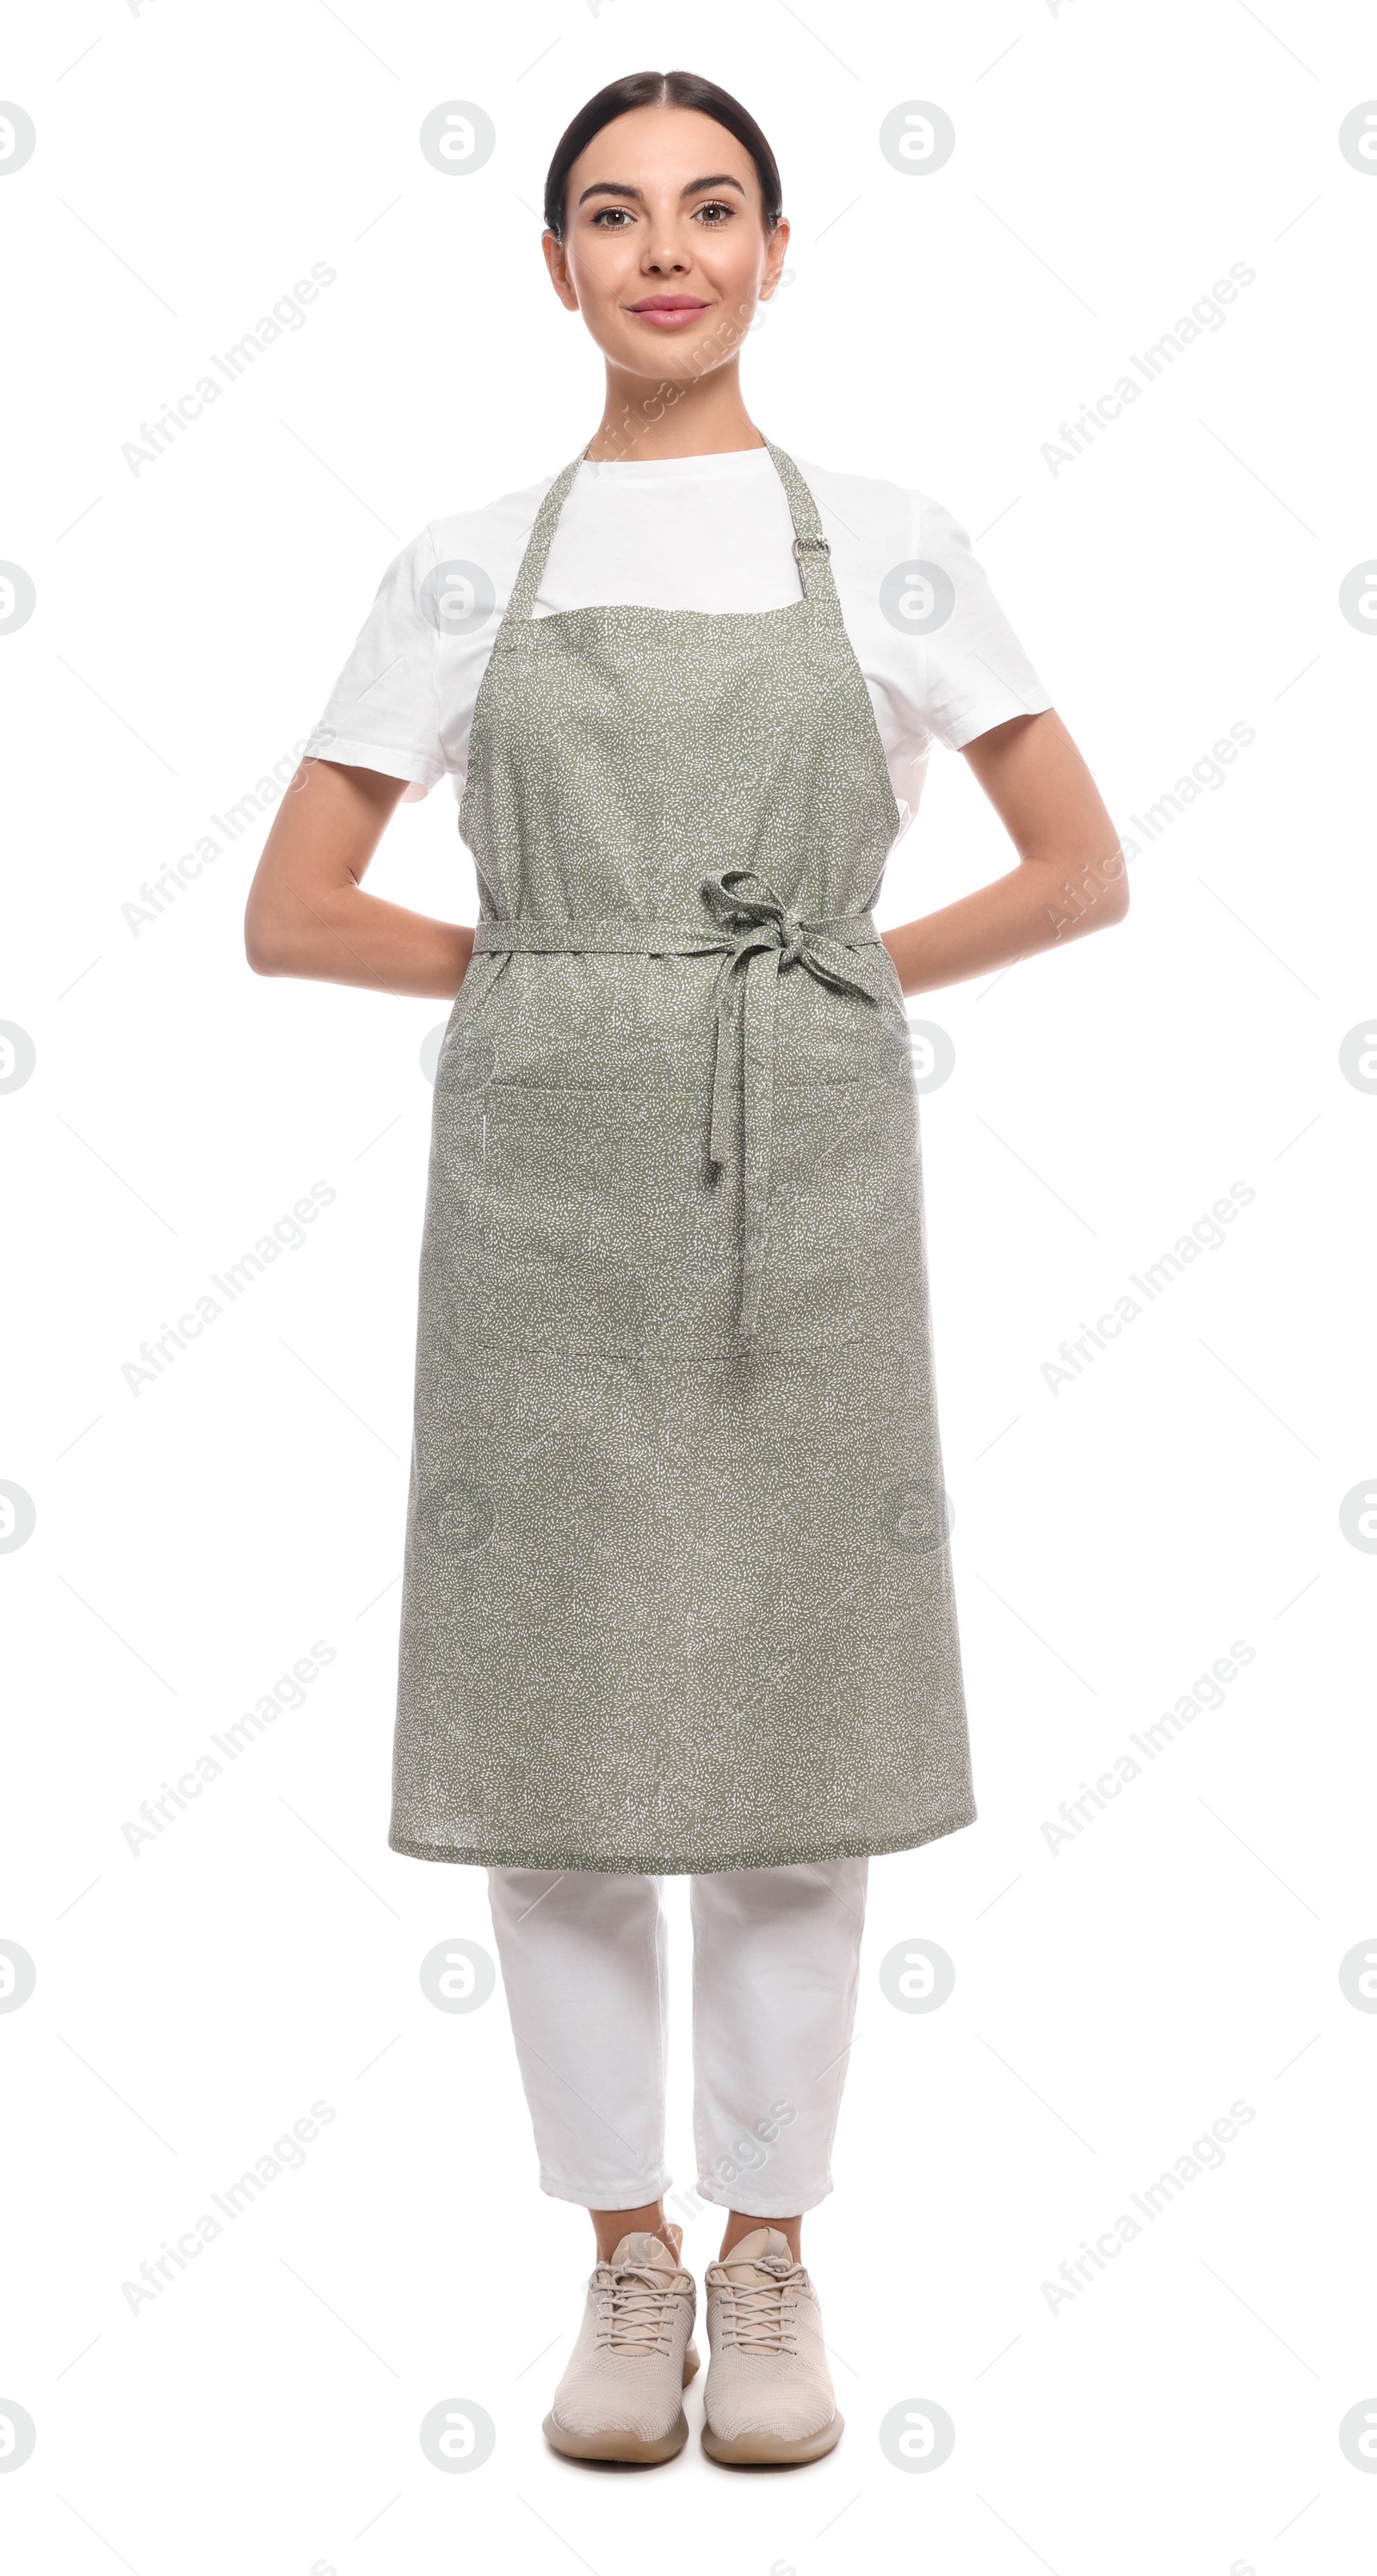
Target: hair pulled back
[660,89]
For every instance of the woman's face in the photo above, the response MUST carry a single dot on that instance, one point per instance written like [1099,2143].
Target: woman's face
[665,252]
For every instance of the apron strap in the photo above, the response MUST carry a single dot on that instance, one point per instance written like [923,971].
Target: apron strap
[811,547]
[812,550]
[532,564]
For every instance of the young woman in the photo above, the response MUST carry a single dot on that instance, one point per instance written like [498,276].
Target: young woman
[678,1595]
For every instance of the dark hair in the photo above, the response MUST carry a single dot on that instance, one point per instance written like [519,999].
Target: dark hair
[660,89]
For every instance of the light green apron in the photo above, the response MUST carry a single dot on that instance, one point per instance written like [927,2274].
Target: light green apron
[678,1589]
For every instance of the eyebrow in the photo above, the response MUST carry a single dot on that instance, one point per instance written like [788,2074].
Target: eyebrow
[615,188]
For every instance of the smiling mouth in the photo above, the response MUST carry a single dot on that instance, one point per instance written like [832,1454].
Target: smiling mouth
[666,311]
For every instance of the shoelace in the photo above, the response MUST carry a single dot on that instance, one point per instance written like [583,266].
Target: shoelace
[760,2314]
[636,2307]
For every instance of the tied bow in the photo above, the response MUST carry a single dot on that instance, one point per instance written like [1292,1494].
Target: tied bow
[764,940]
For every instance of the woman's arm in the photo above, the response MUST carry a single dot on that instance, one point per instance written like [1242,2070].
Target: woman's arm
[307,913]
[1071,876]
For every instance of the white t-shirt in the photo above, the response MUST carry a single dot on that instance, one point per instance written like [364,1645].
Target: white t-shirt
[938,655]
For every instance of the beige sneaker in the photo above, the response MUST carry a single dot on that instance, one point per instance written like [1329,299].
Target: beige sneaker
[620,2396]
[768,2396]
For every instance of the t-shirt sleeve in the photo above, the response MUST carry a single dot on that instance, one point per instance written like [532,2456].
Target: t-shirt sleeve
[976,673]
[384,709]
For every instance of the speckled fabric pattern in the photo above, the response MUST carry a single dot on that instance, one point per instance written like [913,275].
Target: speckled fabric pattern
[678,1590]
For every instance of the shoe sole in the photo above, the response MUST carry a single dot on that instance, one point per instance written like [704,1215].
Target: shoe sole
[757,2449]
[615,2443]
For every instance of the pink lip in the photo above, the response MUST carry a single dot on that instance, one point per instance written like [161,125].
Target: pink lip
[668,310]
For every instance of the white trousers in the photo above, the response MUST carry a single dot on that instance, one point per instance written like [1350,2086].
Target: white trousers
[584,1959]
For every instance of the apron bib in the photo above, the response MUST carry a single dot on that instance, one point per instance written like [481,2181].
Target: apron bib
[677,1591]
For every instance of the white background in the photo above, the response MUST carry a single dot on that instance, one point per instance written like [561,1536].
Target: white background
[1111,1540]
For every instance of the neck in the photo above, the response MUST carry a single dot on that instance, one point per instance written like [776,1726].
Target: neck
[642,421]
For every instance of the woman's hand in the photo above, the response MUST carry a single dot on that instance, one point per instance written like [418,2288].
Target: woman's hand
[307,913]
[1071,876]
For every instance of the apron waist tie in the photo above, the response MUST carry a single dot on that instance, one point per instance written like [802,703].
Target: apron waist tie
[760,939]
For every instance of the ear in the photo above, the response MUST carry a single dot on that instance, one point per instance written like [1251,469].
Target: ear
[774,259]
[557,262]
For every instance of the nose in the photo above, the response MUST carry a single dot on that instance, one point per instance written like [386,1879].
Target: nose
[664,259]
[664,254]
